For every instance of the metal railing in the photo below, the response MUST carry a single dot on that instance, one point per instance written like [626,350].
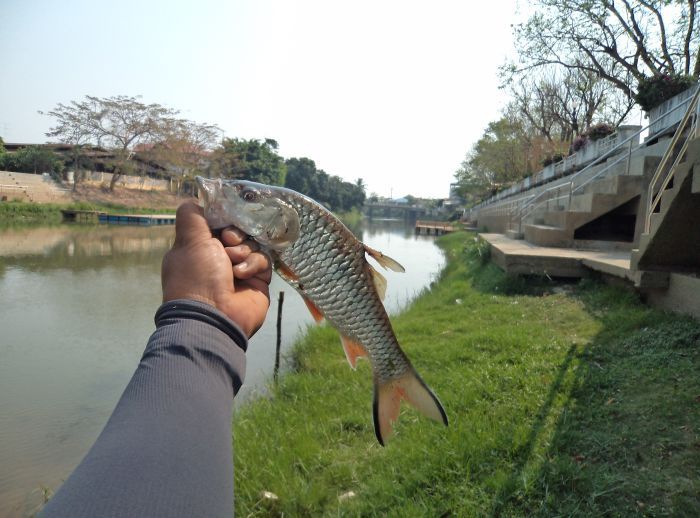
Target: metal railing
[573,186]
[664,174]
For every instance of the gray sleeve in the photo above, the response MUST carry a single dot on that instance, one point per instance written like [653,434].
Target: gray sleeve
[167,448]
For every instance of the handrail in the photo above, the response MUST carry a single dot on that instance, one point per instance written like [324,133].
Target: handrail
[604,156]
[599,160]
[654,200]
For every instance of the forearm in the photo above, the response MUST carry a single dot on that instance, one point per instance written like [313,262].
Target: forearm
[167,448]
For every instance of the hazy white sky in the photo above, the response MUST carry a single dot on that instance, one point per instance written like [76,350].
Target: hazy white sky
[394,92]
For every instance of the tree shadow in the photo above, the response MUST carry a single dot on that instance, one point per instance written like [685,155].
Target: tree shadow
[627,439]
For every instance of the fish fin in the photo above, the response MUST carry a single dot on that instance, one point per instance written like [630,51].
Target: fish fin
[285,272]
[379,282]
[353,350]
[387,402]
[315,312]
[386,261]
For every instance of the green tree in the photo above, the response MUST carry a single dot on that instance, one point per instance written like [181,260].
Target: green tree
[500,157]
[253,160]
[332,191]
[33,159]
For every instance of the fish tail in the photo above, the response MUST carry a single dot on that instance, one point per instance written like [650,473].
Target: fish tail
[387,402]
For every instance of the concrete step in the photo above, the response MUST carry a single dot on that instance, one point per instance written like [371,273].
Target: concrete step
[514,234]
[610,246]
[545,235]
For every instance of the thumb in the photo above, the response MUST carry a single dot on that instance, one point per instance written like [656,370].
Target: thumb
[190,224]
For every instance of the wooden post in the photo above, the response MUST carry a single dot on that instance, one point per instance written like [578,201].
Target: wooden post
[279,335]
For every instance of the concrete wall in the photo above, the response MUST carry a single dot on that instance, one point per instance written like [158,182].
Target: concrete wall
[682,295]
[143,183]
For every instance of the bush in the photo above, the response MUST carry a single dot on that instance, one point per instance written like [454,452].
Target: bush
[552,159]
[579,143]
[654,90]
[599,131]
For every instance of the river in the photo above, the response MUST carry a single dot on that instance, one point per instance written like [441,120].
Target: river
[76,309]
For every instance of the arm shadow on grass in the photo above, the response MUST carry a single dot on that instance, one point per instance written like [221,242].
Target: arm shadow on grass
[619,431]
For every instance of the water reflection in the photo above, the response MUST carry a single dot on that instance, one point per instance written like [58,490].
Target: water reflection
[80,247]
[76,308]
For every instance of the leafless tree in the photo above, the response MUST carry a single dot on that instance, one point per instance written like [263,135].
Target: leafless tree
[119,123]
[618,41]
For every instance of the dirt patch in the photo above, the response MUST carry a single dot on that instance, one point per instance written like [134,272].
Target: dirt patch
[128,197]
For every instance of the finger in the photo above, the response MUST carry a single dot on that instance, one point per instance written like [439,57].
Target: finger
[190,224]
[256,264]
[232,236]
[240,253]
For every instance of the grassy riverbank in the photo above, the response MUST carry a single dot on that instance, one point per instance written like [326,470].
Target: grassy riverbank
[563,400]
[15,212]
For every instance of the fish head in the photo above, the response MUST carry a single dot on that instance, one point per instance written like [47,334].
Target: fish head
[258,210]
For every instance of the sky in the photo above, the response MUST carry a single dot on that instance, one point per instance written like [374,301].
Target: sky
[393,92]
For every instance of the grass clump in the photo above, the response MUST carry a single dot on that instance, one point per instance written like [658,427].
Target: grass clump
[562,399]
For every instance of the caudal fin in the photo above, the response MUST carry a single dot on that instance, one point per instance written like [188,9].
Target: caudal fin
[387,403]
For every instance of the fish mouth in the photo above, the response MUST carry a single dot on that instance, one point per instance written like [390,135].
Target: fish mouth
[206,188]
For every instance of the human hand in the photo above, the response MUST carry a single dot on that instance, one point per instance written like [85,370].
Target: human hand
[201,267]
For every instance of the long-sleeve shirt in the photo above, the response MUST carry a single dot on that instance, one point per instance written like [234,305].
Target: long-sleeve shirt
[167,448]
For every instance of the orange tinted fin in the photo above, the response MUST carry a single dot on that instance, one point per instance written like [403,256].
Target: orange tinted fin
[386,261]
[379,281]
[315,312]
[387,402]
[283,270]
[353,350]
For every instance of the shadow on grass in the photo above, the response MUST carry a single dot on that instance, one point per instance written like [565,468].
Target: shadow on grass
[627,439]
[526,451]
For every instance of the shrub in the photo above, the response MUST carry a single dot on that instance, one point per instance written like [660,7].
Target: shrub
[579,143]
[552,159]
[599,131]
[654,90]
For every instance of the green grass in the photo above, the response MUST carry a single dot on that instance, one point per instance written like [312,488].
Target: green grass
[571,400]
[19,212]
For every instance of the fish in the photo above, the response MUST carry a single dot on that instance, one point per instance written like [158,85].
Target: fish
[314,252]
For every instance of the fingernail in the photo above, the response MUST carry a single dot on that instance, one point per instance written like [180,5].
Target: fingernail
[242,266]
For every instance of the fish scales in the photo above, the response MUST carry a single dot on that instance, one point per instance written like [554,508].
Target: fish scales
[326,264]
[366,308]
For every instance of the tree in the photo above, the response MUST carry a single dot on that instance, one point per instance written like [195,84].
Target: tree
[119,123]
[185,148]
[253,160]
[561,105]
[32,159]
[501,156]
[332,191]
[619,41]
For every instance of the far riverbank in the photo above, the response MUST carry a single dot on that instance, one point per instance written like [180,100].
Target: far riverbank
[120,201]
[563,399]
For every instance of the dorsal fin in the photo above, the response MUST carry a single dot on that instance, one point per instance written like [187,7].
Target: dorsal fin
[379,282]
[386,261]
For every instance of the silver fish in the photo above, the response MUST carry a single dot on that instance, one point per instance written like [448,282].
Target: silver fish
[318,256]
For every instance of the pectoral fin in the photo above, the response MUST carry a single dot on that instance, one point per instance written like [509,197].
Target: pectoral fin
[315,312]
[353,350]
[386,261]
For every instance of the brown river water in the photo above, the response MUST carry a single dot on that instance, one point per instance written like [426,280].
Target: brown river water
[76,310]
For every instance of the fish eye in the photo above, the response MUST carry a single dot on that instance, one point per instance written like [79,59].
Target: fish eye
[249,195]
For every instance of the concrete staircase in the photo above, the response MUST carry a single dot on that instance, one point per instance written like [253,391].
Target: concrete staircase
[556,223]
[672,243]
[31,187]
